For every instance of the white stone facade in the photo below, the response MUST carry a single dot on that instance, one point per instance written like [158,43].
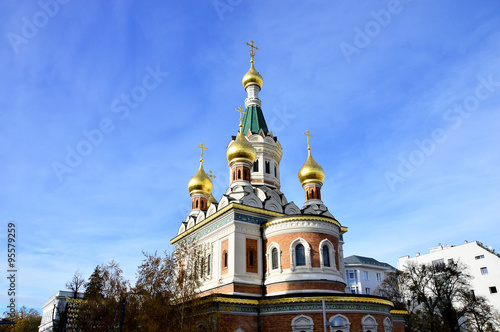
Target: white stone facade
[483,263]
[364,275]
[52,309]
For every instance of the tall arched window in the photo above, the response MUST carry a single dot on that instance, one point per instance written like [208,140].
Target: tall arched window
[268,167]
[239,174]
[326,255]
[256,166]
[225,259]
[250,258]
[300,255]
[275,258]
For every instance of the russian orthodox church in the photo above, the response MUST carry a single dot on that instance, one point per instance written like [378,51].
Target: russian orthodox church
[272,265]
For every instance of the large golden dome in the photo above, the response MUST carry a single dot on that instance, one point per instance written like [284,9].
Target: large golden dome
[200,183]
[240,151]
[252,77]
[311,171]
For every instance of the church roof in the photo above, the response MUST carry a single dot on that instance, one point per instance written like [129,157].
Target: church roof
[354,259]
[254,120]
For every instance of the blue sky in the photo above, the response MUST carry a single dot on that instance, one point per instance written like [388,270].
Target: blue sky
[402,100]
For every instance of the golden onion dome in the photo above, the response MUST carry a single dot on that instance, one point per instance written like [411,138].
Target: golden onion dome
[200,183]
[311,171]
[240,150]
[252,77]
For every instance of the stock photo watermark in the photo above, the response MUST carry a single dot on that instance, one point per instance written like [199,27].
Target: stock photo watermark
[363,37]
[453,116]
[11,268]
[223,6]
[95,136]
[31,25]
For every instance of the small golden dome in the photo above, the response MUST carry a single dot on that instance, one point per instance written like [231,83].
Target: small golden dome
[240,150]
[200,183]
[311,171]
[252,77]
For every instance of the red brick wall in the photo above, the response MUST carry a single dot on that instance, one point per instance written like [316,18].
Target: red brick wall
[313,239]
[289,286]
[251,246]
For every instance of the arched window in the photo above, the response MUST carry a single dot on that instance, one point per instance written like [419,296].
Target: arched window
[369,324]
[388,325]
[268,167]
[234,176]
[307,195]
[302,323]
[225,259]
[202,204]
[239,174]
[250,258]
[312,194]
[326,256]
[300,255]
[196,204]
[275,258]
[340,323]
[275,171]
[256,166]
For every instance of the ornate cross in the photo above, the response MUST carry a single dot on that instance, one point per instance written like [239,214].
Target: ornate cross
[308,134]
[202,147]
[252,51]
[211,175]
[242,111]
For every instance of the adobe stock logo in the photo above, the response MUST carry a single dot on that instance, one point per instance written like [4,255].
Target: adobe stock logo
[363,38]
[30,28]
[455,116]
[95,137]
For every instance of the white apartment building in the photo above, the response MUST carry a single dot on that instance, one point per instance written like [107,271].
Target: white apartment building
[364,274]
[483,263]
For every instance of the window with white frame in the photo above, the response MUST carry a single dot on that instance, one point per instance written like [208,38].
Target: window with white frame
[302,323]
[327,254]
[273,258]
[365,275]
[369,324]
[379,276]
[367,290]
[300,254]
[340,323]
[484,270]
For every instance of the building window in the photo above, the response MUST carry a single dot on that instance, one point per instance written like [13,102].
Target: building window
[256,166]
[250,258]
[367,290]
[340,323]
[451,261]
[493,290]
[225,258]
[365,275]
[351,275]
[275,171]
[379,276]
[302,323]
[274,258]
[300,255]
[479,257]
[369,324]
[326,256]
[268,167]
[484,270]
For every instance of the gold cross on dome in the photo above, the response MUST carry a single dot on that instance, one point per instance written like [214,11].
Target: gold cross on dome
[211,175]
[252,51]
[202,147]
[242,111]
[308,134]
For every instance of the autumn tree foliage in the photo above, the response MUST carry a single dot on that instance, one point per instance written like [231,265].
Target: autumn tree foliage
[26,320]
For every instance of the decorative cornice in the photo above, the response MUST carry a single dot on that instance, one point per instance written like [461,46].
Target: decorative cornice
[305,218]
[310,299]
[399,312]
[219,213]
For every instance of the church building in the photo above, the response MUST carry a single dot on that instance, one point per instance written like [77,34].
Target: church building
[274,266]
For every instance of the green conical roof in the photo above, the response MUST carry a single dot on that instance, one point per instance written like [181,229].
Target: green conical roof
[254,120]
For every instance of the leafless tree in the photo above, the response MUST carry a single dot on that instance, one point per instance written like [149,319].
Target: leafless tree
[76,284]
